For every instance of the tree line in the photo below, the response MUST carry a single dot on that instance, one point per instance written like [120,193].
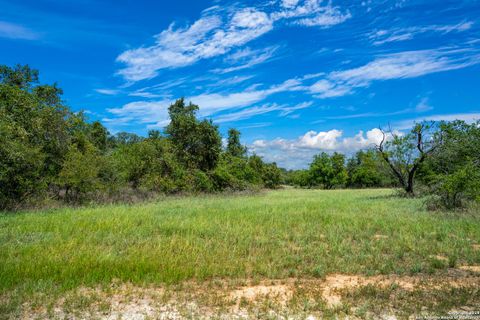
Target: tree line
[365,169]
[440,160]
[50,153]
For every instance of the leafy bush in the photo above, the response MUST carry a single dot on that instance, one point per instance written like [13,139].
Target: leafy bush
[328,171]
[457,189]
[452,174]
[80,173]
[272,176]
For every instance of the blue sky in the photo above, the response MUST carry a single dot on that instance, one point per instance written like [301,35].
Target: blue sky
[297,77]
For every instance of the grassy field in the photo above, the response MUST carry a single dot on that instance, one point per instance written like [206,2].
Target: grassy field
[281,234]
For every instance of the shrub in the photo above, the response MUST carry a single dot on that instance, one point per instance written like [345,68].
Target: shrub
[272,176]
[202,182]
[80,173]
[457,189]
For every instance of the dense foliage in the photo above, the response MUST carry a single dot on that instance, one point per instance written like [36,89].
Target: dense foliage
[442,159]
[452,172]
[365,169]
[48,151]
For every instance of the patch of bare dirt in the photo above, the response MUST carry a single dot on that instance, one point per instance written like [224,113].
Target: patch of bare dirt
[439,257]
[278,292]
[236,299]
[380,237]
[475,269]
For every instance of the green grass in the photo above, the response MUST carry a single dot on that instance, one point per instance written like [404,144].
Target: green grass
[278,234]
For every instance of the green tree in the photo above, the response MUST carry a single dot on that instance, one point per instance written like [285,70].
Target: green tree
[234,146]
[328,171]
[35,133]
[122,138]
[452,172]
[272,176]
[80,173]
[22,77]
[21,166]
[99,135]
[197,143]
[340,174]
[366,169]
[405,154]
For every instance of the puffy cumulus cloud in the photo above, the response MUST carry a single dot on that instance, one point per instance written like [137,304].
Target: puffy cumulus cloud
[297,153]
[217,32]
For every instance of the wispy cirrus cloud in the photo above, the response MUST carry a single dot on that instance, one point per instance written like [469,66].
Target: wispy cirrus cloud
[249,112]
[154,113]
[423,105]
[407,64]
[16,31]
[235,105]
[467,117]
[247,58]
[402,34]
[310,13]
[108,92]
[217,32]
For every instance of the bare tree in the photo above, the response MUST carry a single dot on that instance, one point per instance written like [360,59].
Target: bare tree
[405,154]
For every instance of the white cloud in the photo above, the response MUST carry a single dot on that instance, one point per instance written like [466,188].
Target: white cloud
[108,92]
[423,106]
[140,112]
[216,33]
[337,83]
[232,81]
[156,112]
[247,58]
[310,13]
[15,31]
[247,113]
[289,3]
[215,102]
[207,37]
[401,34]
[467,117]
[258,110]
[328,89]
[329,17]
[334,84]
[297,153]
[407,64]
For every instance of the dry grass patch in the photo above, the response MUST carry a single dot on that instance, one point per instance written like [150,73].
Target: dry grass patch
[334,295]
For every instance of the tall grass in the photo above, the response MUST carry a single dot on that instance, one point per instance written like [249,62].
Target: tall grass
[286,233]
